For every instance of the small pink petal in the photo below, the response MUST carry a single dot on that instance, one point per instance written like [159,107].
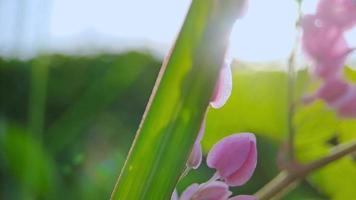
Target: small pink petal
[242,175]
[243,197]
[174,195]
[215,190]
[189,192]
[223,87]
[341,13]
[235,154]
[195,156]
[348,107]
[332,90]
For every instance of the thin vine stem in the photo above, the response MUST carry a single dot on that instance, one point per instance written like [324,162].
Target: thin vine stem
[287,178]
[291,89]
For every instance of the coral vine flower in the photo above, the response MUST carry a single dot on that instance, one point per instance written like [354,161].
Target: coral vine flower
[235,158]
[325,44]
[215,190]
[316,32]
[341,13]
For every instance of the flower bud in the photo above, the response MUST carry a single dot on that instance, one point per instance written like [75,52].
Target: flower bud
[235,158]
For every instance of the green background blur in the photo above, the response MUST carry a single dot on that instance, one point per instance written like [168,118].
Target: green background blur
[67,123]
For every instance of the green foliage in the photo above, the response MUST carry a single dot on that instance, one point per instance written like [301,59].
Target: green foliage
[85,166]
[24,158]
[92,146]
[258,104]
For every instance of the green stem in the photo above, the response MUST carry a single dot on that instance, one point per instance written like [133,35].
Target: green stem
[288,178]
[291,89]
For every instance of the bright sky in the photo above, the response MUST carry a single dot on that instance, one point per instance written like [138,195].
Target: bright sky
[266,33]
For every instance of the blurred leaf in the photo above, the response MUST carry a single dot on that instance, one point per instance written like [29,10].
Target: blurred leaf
[347,129]
[337,180]
[26,160]
[103,91]
[315,125]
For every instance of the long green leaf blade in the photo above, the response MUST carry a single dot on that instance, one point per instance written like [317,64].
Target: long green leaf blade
[177,105]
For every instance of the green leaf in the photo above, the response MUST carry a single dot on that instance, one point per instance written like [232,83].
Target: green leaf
[315,125]
[25,160]
[177,105]
[113,82]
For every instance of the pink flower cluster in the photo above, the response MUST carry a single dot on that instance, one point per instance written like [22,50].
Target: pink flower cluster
[324,43]
[234,158]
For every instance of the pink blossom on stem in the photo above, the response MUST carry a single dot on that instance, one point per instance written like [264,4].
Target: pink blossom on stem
[325,45]
[215,190]
[235,158]
[341,13]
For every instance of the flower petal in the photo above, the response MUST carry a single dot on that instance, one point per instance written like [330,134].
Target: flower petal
[242,175]
[174,195]
[229,154]
[348,106]
[332,90]
[189,192]
[341,13]
[243,197]
[223,87]
[195,156]
[215,190]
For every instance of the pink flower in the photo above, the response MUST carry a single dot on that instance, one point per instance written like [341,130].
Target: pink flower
[325,45]
[243,197]
[215,190]
[340,13]
[223,87]
[235,158]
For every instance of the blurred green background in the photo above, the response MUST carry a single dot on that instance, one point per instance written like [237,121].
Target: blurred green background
[67,122]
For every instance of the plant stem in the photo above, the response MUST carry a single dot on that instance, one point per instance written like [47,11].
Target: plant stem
[291,90]
[285,179]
